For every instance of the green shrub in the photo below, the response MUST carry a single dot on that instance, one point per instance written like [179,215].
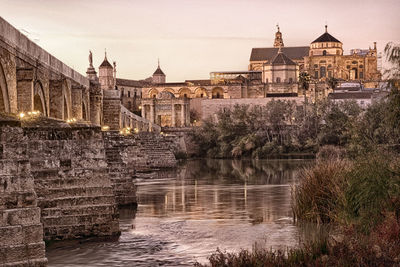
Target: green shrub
[373,189]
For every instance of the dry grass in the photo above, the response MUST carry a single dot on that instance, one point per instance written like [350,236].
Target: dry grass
[320,192]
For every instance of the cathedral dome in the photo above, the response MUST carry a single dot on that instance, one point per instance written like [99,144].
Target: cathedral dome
[326,38]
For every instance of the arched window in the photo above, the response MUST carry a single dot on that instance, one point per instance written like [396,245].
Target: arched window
[322,71]
[324,53]
[129,93]
[278,79]
[290,80]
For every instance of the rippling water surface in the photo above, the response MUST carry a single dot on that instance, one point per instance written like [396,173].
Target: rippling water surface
[184,215]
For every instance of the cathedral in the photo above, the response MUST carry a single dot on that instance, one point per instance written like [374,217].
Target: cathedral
[322,59]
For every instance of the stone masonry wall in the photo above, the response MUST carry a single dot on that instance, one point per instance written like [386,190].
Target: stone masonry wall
[128,154]
[21,232]
[74,192]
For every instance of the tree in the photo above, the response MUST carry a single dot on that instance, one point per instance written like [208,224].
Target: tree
[392,52]
[304,83]
[332,82]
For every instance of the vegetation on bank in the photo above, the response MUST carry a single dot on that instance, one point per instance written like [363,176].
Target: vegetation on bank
[279,128]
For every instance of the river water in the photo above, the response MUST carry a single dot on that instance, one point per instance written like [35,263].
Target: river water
[185,215]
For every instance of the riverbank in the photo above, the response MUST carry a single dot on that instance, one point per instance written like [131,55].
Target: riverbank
[358,198]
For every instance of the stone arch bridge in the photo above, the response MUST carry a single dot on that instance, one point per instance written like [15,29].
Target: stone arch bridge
[31,79]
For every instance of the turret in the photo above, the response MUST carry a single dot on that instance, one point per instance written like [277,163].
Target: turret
[158,75]
[278,39]
[106,74]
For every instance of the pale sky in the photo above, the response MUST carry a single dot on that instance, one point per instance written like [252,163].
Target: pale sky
[193,37]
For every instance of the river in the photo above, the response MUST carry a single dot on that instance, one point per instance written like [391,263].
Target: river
[185,215]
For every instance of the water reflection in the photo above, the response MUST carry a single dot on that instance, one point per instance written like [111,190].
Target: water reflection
[254,191]
[184,215]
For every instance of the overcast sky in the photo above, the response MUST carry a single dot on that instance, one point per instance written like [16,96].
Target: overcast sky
[193,37]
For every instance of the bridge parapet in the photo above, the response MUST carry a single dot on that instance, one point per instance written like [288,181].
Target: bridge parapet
[22,44]
[129,119]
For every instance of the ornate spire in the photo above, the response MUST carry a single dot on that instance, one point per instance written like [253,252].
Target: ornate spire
[326,27]
[278,38]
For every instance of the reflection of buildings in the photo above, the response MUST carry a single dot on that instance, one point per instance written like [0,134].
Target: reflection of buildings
[253,191]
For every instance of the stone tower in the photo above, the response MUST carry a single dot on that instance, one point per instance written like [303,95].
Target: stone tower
[106,75]
[278,39]
[158,75]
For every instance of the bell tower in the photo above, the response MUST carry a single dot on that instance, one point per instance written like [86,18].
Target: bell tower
[278,38]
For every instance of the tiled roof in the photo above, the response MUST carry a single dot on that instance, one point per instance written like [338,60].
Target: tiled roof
[282,59]
[351,95]
[199,82]
[106,63]
[158,71]
[268,53]
[326,37]
[131,83]
[181,84]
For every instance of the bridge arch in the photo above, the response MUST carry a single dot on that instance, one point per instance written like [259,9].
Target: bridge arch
[39,100]
[4,98]
[65,108]
[85,116]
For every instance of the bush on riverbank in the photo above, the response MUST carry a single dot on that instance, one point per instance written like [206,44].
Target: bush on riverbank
[357,193]
[277,129]
[380,248]
[319,196]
